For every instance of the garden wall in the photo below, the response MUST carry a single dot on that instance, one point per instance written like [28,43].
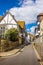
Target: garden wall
[8,45]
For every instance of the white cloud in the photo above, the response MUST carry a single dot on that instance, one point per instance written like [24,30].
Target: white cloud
[28,30]
[28,14]
[27,3]
[32,29]
[29,10]
[39,2]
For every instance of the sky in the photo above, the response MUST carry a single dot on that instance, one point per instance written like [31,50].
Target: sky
[26,10]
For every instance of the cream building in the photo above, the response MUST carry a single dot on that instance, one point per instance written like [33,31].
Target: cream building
[41,27]
[40,21]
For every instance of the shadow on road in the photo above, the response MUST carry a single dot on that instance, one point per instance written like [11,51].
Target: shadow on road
[21,47]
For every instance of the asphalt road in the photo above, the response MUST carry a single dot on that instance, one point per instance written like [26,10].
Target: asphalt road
[27,56]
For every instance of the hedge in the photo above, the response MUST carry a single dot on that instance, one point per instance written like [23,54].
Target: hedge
[12,34]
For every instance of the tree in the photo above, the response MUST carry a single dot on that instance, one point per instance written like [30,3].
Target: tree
[12,34]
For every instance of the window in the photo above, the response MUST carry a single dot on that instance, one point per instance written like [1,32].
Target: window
[2,31]
[1,27]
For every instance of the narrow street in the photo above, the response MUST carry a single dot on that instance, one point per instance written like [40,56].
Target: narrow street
[27,56]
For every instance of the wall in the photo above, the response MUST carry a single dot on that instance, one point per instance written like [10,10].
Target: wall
[41,27]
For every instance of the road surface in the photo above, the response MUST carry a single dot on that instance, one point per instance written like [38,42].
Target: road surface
[27,56]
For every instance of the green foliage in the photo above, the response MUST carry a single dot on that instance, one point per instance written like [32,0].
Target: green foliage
[12,34]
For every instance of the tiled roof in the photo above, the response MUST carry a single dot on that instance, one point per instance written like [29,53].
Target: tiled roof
[41,14]
[21,23]
[1,18]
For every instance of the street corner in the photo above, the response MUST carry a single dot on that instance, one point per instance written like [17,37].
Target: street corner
[8,54]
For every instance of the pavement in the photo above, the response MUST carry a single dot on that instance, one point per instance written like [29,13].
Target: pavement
[12,52]
[27,56]
[38,55]
[4,54]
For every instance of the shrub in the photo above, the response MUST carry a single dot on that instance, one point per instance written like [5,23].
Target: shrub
[12,34]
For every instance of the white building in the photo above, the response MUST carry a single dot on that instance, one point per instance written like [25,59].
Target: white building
[7,22]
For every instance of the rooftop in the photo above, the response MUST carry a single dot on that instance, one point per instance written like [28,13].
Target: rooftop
[41,14]
[1,17]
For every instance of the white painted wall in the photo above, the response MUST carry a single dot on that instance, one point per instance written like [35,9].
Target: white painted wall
[8,22]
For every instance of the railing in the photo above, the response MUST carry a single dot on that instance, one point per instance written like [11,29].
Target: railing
[38,42]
